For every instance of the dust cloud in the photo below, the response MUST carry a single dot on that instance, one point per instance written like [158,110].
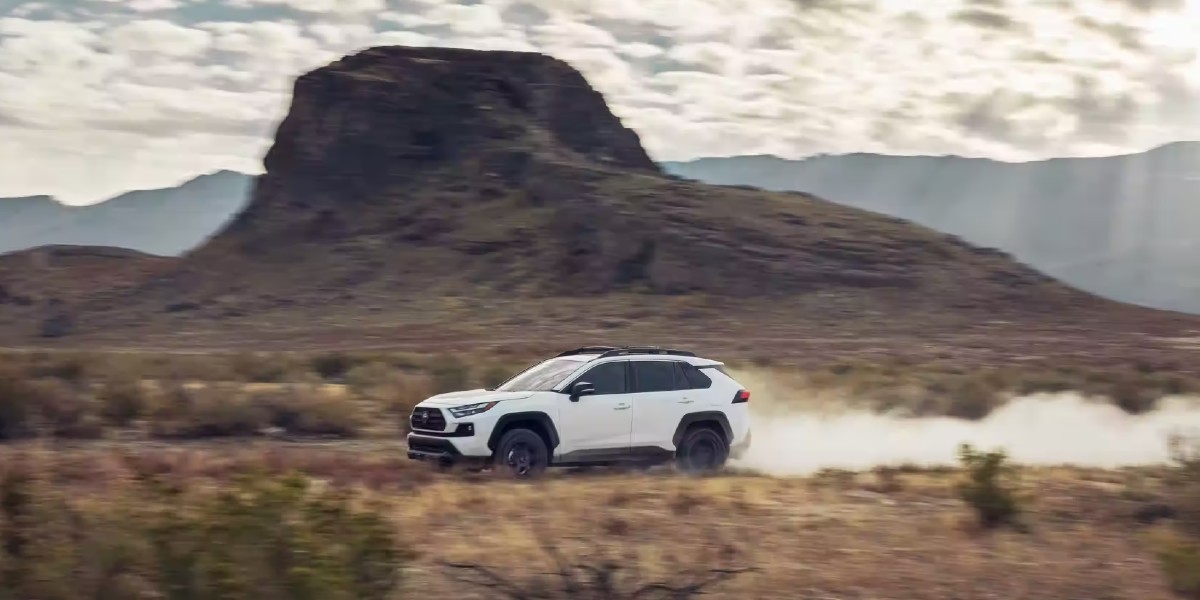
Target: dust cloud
[1042,429]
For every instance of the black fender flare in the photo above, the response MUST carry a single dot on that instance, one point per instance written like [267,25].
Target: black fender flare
[538,417]
[711,416]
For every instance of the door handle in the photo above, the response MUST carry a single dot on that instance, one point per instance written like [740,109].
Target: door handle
[625,407]
[685,401]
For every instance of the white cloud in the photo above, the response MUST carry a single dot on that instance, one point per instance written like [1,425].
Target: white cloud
[158,37]
[145,5]
[320,7]
[146,95]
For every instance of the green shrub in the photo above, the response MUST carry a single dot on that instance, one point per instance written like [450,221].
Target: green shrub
[1179,558]
[269,538]
[988,488]
[275,538]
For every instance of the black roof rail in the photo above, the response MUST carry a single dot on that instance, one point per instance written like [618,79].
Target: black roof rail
[645,350]
[588,350]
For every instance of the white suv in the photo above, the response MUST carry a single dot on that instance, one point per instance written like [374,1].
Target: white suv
[591,406]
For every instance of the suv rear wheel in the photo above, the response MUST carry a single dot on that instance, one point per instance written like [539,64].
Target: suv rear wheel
[521,454]
[702,450]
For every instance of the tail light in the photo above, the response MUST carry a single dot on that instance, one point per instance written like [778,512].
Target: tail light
[741,397]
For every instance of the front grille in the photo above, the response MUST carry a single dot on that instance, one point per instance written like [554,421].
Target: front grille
[428,419]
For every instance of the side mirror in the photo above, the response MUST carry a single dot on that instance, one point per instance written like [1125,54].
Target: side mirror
[581,388]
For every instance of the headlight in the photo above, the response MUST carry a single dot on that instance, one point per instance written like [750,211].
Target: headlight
[471,409]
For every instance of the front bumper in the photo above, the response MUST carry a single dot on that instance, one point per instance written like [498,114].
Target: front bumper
[431,448]
[446,449]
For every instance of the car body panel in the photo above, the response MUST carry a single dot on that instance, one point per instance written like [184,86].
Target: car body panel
[603,425]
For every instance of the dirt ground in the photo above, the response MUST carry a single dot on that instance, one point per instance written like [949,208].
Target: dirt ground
[901,533]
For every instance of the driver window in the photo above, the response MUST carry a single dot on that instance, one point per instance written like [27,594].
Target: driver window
[609,378]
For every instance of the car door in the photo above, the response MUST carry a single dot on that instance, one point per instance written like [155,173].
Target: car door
[658,403]
[597,426]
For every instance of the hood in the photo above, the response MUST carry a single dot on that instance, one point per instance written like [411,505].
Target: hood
[473,397]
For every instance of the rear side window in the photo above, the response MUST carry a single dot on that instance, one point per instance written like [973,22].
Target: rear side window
[609,378]
[691,378]
[719,368]
[654,376]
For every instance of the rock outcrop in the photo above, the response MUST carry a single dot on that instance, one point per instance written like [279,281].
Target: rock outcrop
[402,177]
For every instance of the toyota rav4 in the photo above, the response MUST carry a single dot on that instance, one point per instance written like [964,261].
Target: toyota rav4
[591,406]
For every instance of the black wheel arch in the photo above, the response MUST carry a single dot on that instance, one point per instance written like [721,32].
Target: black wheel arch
[714,417]
[539,419]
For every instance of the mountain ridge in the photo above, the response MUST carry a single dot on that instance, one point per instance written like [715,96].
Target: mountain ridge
[433,197]
[164,221]
[1116,226]
[1166,146]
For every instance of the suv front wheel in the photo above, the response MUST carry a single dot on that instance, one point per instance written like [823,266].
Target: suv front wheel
[702,450]
[521,454]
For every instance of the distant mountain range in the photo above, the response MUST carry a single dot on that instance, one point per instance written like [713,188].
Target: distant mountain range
[1124,227]
[165,222]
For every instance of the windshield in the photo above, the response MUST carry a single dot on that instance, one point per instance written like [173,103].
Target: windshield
[542,377]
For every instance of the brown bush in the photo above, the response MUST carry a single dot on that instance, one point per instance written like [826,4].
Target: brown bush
[122,401]
[65,411]
[450,374]
[259,368]
[205,413]
[300,413]
[18,404]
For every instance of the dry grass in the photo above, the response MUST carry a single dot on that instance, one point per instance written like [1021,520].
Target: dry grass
[905,533]
[370,394]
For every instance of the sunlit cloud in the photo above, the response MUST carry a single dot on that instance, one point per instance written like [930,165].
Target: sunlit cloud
[1010,79]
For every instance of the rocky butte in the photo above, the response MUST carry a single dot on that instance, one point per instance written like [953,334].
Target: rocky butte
[454,189]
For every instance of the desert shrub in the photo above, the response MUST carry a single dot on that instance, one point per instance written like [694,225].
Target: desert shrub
[70,368]
[407,393]
[206,413]
[311,413]
[65,411]
[122,401]
[1133,396]
[17,404]
[372,380]
[256,368]
[1179,558]
[269,538]
[988,488]
[1185,482]
[450,374]
[333,366]
[1178,550]
[971,399]
[275,538]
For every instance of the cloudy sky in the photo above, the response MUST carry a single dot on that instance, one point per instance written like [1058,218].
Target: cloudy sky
[101,96]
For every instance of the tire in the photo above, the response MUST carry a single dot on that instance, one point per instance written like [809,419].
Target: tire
[521,454]
[702,450]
